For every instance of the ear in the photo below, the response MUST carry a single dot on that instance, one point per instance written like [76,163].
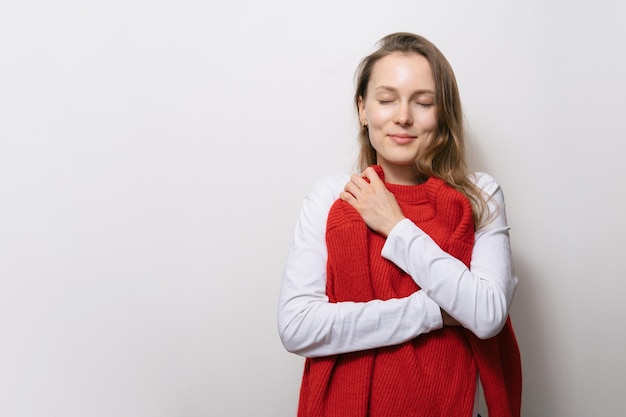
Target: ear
[362,114]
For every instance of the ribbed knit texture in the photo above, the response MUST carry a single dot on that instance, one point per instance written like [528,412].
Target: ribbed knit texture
[433,375]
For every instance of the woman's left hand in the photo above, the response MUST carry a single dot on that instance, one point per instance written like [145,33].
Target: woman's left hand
[373,201]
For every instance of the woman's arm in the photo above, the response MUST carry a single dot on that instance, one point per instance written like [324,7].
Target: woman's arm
[479,297]
[309,324]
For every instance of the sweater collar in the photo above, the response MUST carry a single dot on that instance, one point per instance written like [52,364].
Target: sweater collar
[410,193]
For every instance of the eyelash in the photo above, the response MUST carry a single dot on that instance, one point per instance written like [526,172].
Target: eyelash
[425,105]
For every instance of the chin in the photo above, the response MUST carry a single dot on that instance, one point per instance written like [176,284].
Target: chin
[402,162]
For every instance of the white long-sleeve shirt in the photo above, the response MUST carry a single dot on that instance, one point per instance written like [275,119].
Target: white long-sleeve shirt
[479,297]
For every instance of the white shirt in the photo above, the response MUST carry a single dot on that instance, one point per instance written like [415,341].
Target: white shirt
[479,297]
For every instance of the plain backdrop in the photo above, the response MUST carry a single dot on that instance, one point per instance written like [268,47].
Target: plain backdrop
[154,156]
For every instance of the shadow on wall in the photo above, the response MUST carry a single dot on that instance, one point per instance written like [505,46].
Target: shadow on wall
[530,315]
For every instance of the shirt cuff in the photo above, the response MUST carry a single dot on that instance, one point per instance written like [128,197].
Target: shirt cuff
[396,244]
[433,313]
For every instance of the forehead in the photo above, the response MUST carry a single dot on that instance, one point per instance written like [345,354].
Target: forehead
[401,70]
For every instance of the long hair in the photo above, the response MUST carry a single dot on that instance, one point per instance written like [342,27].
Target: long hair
[443,156]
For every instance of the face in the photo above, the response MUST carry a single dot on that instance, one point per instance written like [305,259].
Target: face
[399,110]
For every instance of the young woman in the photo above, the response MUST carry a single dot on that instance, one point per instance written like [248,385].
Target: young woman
[399,280]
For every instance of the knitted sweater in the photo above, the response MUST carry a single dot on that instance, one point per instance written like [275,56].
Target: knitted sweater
[431,375]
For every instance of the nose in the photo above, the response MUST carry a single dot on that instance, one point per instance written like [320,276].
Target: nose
[403,115]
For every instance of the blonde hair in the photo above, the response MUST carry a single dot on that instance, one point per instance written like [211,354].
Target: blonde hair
[444,157]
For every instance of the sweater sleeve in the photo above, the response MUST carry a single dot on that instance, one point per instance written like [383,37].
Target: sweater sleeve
[479,297]
[310,325]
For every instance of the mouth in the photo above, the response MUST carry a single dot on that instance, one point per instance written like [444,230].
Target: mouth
[402,138]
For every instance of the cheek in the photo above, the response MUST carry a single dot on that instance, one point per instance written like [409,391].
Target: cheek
[378,117]
[428,121]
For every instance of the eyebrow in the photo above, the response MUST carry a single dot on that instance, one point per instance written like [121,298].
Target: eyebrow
[418,92]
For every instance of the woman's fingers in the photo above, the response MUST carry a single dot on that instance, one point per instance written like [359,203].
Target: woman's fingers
[376,205]
[361,185]
[372,176]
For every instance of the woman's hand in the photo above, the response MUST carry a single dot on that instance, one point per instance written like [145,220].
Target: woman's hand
[448,320]
[377,206]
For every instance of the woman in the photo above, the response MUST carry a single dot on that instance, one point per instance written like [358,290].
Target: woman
[399,280]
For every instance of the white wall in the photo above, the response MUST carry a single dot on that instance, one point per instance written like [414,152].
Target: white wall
[154,155]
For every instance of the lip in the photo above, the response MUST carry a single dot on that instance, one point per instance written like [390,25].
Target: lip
[402,138]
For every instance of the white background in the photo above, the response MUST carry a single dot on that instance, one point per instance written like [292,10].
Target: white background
[154,156]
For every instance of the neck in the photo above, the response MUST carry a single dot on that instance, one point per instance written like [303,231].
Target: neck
[402,175]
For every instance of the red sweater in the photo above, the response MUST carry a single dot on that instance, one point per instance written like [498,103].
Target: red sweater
[433,375]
